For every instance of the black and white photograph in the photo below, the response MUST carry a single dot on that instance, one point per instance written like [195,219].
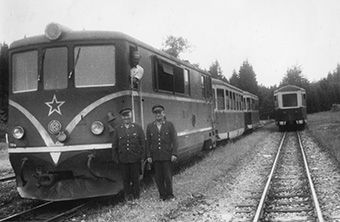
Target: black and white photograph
[170,110]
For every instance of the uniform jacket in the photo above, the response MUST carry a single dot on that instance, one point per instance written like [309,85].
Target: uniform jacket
[161,145]
[128,145]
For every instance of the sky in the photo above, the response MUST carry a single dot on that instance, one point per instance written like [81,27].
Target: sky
[272,35]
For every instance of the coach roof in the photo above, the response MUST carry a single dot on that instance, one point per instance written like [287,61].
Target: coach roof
[289,88]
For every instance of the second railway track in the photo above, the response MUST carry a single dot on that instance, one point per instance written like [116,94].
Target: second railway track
[288,194]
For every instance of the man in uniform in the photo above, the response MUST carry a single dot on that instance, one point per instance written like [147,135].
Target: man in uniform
[162,151]
[128,148]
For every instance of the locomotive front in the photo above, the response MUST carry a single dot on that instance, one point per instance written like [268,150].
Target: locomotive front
[64,97]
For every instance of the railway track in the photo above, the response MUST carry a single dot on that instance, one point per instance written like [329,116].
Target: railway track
[287,193]
[49,211]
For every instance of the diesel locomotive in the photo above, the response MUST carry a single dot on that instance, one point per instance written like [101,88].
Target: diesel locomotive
[290,107]
[66,89]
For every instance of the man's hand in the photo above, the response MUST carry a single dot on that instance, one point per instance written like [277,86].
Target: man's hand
[149,159]
[173,158]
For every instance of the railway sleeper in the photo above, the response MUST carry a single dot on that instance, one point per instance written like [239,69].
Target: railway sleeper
[297,202]
[289,210]
[275,196]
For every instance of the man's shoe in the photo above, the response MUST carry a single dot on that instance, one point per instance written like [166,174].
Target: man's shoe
[171,197]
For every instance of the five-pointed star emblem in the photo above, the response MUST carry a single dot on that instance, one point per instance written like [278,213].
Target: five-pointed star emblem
[54,105]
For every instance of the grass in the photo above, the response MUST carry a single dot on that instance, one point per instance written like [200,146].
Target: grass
[325,127]
[5,165]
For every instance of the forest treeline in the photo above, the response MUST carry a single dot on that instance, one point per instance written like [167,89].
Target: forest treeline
[321,95]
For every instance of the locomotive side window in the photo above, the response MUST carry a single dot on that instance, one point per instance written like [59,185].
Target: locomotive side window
[94,66]
[55,68]
[186,82]
[203,84]
[172,78]
[304,100]
[289,100]
[25,71]
[275,102]
[165,76]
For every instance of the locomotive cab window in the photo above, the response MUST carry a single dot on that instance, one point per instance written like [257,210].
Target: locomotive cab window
[55,68]
[25,71]
[289,100]
[94,66]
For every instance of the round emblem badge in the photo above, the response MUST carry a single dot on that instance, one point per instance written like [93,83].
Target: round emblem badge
[54,127]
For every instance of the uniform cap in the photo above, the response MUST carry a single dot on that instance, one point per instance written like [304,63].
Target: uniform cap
[156,108]
[125,111]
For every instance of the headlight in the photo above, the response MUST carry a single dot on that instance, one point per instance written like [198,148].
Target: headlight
[18,132]
[97,128]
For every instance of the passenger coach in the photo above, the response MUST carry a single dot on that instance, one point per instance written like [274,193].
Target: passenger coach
[251,110]
[66,89]
[290,107]
[229,119]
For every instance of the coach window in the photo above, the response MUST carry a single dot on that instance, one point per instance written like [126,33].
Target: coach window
[241,102]
[94,66]
[233,104]
[220,99]
[25,71]
[248,104]
[227,99]
[55,68]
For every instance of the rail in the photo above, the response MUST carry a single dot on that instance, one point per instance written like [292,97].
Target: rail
[314,200]
[265,191]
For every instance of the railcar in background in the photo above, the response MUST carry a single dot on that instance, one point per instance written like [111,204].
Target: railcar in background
[66,89]
[229,115]
[251,111]
[290,107]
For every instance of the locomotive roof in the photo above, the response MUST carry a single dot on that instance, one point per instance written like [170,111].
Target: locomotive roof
[289,88]
[68,36]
